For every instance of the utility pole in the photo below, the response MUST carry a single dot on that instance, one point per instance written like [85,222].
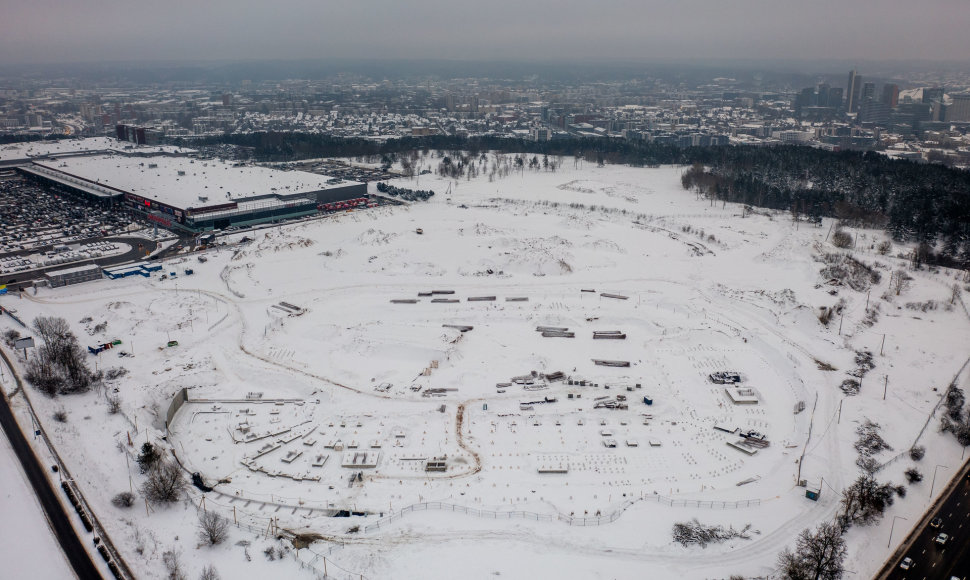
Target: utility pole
[131,486]
[840,412]
[885,387]
[883,344]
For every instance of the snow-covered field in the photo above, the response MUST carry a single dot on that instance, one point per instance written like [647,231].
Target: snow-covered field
[312,392]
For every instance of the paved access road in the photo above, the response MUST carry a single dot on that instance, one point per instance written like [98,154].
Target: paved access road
[930,560]
[24,279]
[56,515]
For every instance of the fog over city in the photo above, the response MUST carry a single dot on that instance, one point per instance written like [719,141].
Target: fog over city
[109,30]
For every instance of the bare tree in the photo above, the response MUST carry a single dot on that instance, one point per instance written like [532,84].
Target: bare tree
[165,483]
[213,528]
[870,442]
[841,239]
[899,282]
[10,336]
[864,501]
[913,475]
[694,532]
[917,452]
[124,499]
[114,404]
[59,365]
[818,555]
[172,560]
[41,374]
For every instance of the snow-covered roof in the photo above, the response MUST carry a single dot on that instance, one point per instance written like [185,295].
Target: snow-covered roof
[190,183]
[33,149]
[74,270]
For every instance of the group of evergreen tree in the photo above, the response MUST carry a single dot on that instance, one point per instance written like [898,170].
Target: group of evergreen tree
[404,193]
[914,202]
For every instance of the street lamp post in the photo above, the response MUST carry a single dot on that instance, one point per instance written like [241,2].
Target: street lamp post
[933,485]
[892,527]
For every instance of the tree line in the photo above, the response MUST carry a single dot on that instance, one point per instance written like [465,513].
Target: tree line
[914,202]
[919,202]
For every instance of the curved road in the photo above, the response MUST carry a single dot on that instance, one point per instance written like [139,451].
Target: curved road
[21,279]
[56,515]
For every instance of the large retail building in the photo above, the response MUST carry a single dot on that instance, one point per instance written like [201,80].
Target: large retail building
[182,192]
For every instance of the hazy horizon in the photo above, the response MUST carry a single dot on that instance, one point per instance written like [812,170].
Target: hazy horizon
[99,31]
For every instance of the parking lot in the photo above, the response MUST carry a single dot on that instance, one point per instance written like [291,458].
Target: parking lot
[339,169]
[36,218]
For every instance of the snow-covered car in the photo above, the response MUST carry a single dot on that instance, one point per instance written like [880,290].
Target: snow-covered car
[941,539]
[906,564]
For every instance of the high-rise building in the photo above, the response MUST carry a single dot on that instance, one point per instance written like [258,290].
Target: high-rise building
[852,92]
[835,97]
[541,134]
[872,111]
[890,95]
[823,95]
[868,92]
[932,94]
[806,98]
[959,108]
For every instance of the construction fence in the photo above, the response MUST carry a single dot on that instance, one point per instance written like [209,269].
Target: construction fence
[572,520]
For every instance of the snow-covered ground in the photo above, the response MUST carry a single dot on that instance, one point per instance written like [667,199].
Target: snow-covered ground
[312,392]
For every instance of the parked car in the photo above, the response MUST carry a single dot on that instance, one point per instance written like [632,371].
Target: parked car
[906,564]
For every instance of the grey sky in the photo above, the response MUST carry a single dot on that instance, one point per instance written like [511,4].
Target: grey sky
[119,30]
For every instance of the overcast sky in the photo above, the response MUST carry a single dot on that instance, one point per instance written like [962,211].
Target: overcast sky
[132,30]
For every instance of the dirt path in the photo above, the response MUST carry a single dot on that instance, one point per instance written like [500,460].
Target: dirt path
[459,419]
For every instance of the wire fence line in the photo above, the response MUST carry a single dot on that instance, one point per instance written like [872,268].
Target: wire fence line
[317,558]
[963,304]
[329,568]
[572,520]
[939,403]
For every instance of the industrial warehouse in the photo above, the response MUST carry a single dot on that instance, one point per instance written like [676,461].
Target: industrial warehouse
[196,195]
[176,190]
[21,154]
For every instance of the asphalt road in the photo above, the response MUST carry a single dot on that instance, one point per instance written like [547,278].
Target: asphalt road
[23,279]
[56,515]
[930,560]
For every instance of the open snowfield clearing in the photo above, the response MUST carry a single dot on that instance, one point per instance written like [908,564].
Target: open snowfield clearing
[521,388]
